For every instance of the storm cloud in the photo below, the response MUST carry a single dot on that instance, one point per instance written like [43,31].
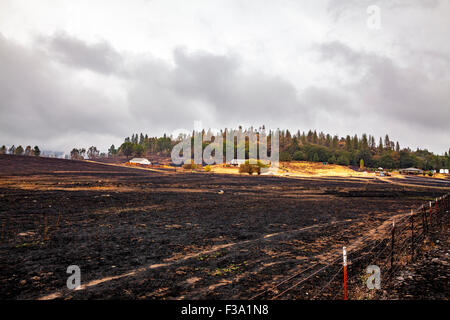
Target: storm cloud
[66,84]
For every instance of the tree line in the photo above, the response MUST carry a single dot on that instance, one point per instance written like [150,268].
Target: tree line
[313,146]
[20,151]
[357,151]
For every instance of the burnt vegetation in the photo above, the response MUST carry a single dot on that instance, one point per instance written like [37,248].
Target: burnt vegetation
[166,235]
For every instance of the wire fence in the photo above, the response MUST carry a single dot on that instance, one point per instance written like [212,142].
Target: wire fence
[391,247]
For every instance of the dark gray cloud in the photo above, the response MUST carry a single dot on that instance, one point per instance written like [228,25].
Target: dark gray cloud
[45,95]
[391,91]
[99,57]
[217,91]
[211,88]
[45,105]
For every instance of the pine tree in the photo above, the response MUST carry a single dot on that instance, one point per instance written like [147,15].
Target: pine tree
[380,145]
[315,137]
[19,151]
[387,143]
[112,151]
[36,151]
[364,142]
[348,143]
[28,151]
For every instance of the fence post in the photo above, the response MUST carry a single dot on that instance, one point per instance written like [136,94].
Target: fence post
[412,235]
[392,244]
[431,215]
[344,255]
[440,211]
[424,222]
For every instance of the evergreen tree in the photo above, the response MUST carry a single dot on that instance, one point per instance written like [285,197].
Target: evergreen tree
[112,151]
[348,143]
[364,142]
[28,151]
[19,151]
[36,151]
[387,143]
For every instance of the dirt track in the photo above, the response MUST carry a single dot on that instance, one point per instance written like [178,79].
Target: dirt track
[173,235]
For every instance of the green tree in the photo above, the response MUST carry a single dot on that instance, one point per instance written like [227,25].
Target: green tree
[406,160]
[285,156]
[28,151]
[138,150]
[315,158]
[299,156]
[112,151]
[364,142]
[75,154]
[19,151]
[348,143]
[127,149]
[387,161]
[343,160]
[380,145]
[387,143]
[36,151]
[92,152]
[3,150]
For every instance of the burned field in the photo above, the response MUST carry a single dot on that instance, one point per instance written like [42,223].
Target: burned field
[141,234]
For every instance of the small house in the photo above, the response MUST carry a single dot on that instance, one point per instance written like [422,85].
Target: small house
[140,161]
[411,171]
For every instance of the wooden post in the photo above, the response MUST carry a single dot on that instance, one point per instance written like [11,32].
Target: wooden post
[412,235]
[392,244]
[344,255]
[431,215]
[424,222]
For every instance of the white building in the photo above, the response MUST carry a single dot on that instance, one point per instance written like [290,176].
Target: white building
[140,161]
[445,171]
[237,162]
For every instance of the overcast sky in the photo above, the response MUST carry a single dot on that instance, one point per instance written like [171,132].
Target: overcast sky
[81,73]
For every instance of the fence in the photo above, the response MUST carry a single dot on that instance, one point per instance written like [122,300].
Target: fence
[395,245]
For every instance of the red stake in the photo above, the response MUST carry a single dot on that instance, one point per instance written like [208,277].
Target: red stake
[344,253]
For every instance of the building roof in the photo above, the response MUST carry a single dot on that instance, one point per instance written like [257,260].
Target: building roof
[233,161]
[140,160]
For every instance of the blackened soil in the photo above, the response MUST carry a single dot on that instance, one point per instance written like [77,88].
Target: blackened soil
[174,235]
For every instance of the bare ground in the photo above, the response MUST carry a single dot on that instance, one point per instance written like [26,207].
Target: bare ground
[139,234]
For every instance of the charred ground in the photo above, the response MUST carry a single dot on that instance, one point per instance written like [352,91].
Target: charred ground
[143,234]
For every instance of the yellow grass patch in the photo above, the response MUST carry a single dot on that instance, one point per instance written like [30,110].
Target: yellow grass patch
[305,168]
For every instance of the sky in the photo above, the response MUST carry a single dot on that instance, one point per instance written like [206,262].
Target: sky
[82,73]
